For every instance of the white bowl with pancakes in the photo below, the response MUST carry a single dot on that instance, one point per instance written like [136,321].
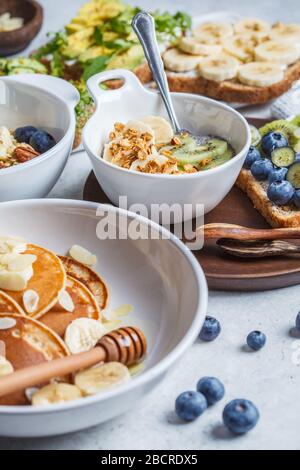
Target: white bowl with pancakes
[47,103]
[148,273]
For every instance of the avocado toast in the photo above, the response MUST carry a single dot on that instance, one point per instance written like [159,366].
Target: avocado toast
[271,174]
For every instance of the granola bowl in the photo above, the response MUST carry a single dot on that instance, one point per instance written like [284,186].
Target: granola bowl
[46,103]
[171,319]
[201,116]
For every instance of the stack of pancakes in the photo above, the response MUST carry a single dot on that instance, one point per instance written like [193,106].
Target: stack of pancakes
[33,338]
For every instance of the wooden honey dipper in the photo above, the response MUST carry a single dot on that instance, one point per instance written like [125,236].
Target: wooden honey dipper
[126,345]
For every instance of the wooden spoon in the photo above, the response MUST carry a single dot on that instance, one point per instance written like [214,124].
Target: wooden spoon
[126,345]
[257,249]
[238,232]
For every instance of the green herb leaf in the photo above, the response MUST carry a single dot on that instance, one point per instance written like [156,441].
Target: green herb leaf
[95,66]
[98,36]
[58,41]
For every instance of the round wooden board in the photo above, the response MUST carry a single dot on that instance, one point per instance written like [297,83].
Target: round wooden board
[225,272]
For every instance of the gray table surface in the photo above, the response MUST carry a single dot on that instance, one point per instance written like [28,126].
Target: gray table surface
[270,378]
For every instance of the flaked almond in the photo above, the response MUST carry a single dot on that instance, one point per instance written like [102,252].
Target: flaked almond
[6,323]
[65,301]
[14,281]
[31,300]
[2,348]
[29,392]
[5,367]
[80,254]
[21,262]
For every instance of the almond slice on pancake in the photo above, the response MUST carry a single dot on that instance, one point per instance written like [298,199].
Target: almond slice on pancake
[28,342]
[85,306]
[8,305]
[89,278]
[48,279]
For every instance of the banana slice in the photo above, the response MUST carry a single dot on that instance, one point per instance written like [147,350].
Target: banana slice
[286,32]
[240,47]
[162,129]
[101,378]
[219,68]
[199,45]
[252,27]
[178,61]
[260,74]
[107,153]
[277,51]
[5,367]
[214,30]
[83,334]
[55,393]
[80,254]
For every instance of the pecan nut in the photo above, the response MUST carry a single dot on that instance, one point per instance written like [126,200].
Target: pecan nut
[24,154]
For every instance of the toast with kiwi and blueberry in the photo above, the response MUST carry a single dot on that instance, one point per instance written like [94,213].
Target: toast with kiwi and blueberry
[271,173]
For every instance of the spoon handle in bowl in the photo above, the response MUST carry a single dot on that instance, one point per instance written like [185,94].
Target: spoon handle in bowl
[144,27]
[127,345]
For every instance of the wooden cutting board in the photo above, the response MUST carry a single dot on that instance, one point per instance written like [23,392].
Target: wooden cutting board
[225,272]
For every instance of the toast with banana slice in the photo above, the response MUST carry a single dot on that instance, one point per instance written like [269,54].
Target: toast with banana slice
[271,173]
[250,61]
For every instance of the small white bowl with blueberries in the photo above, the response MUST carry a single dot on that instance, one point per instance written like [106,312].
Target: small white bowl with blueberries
[37,129]
[274,161]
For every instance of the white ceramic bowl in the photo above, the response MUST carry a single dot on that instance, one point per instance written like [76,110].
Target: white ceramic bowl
[45,102]
[202,116]
[160,278]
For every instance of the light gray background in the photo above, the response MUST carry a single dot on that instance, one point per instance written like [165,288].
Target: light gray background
[271,378]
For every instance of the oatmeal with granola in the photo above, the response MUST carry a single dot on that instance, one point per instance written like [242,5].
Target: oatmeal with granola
[22,145]
[149,145]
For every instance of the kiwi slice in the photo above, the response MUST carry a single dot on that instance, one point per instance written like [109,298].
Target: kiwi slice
[255,136]
[195,154]
[285,127]
[293,175]
[283,157]
[217,161]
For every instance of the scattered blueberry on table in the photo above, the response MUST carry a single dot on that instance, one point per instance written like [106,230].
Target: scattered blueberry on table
[272,141]
[190,405]
[256,340]
[298,322]
[210,330]
[212,389]
[281,192]
[261,169]
[252,156]
[240,416]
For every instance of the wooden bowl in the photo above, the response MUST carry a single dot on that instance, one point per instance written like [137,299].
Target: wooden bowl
[15,41]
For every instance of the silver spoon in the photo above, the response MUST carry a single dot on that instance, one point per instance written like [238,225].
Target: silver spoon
[144,27]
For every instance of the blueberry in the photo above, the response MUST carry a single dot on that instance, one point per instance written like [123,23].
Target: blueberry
[261,169]
[296,198]
[24,134]
[281,192]
[256,340]
[240,416]
[277,174]
[212,389]
[190,405]
[252,156]
[298,322]
[273,140]
[41,141]
[210,330]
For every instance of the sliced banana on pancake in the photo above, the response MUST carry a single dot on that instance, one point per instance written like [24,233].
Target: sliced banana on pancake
[48,280]
[55,393]
[82,255]
[27,343]
[83,334]
[85,306]
[12,244]
[89,278]
[101,378]
[8,305]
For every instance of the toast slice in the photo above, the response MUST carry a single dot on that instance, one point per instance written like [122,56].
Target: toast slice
[231,90]
[285,216]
